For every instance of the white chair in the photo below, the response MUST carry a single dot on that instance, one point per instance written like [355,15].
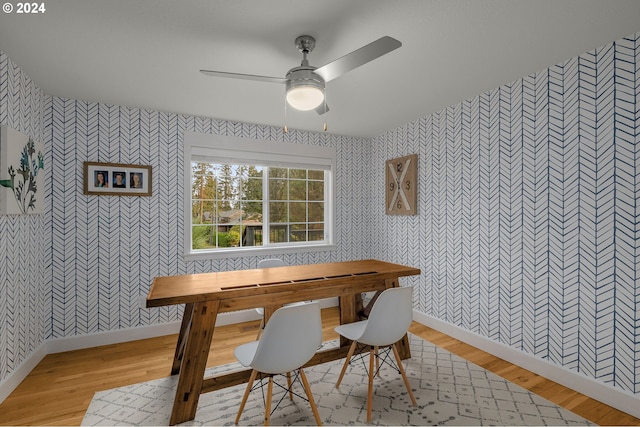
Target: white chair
[290,339]
[387,324]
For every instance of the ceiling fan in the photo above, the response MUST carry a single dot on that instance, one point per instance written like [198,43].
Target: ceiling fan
[305,84]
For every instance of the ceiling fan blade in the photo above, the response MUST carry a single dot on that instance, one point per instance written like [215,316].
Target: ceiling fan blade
[243,76]
[322,108]
[357,58]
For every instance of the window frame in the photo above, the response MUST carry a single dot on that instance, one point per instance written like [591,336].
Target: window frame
[229,149]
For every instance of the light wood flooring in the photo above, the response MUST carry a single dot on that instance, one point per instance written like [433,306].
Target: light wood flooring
[59,390]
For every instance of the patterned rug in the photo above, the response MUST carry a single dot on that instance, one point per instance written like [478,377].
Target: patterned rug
[449,391]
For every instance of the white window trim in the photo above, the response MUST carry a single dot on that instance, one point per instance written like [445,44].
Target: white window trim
[228,148]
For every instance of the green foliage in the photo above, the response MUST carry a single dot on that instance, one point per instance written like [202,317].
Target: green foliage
[200,237]
[233,237]
[204,237]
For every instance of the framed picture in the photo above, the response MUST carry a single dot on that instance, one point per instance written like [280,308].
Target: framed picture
[22,166]
[401,185]
[116,179]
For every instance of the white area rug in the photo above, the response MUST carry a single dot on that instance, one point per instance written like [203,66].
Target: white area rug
[449,391]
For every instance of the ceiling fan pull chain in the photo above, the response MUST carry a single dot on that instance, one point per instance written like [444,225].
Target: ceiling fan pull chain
[324,128]
[286,130]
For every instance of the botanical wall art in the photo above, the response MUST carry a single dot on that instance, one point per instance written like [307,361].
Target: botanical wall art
[21,173]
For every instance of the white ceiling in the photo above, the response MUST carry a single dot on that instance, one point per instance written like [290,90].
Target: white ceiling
[147,53]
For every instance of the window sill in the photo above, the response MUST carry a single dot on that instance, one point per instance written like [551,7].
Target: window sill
[257,251]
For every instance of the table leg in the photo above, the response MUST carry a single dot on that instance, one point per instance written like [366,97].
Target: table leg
[363,312]
[194,361]
[268,312]
[182,338]
[403,348]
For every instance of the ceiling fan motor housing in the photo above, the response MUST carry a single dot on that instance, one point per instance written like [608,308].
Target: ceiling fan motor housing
[304,76]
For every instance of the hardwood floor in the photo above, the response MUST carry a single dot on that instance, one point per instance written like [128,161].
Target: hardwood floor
[59,390]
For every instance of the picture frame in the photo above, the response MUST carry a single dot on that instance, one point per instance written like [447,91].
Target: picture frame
[117,179]
[22,166]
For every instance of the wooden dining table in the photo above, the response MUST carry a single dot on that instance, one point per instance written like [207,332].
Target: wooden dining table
[207,294]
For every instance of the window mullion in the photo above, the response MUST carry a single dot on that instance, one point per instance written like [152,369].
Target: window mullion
[328,205]
[266,233]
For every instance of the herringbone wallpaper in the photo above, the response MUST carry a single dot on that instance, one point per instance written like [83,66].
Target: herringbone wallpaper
[25,288]
[528,220]
[527,227]
[112,247]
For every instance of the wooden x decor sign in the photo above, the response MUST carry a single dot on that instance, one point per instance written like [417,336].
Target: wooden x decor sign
[401,181]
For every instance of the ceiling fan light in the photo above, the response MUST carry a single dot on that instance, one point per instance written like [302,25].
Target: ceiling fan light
[305,97]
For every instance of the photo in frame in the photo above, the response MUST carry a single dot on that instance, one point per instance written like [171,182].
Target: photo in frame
[22,167]
[117,179]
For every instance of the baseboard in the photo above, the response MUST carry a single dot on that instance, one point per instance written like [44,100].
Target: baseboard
[59,345]
[12,381]
[619,399]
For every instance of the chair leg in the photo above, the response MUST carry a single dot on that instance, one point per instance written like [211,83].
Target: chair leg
[252,378]
[307,390]
[404,376]
[346,362]
[370,391]
[267,406]
[289,385]
[260,328]
[377,361]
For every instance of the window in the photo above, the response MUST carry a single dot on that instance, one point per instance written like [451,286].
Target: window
[250,197]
